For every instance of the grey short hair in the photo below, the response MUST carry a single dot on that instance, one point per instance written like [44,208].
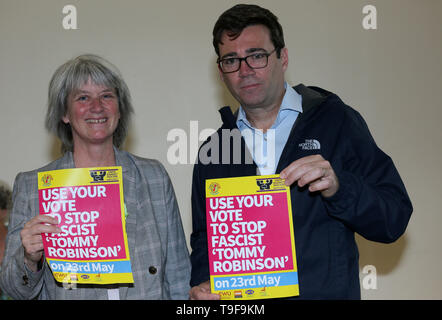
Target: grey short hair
[71,76]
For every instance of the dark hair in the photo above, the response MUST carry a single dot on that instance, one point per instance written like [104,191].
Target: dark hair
[5,198]
[237,18]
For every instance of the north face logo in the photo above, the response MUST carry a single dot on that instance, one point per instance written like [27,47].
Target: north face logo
[310,144]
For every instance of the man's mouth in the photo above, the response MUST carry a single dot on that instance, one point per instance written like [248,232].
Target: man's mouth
[249,86]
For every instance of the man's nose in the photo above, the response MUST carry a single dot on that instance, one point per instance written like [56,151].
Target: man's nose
[245,70]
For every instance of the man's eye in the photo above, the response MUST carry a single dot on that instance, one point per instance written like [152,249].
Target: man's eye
[258,56]
[230,61]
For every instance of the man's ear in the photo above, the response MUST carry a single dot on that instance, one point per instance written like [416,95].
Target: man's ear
[221,74]
[284,58]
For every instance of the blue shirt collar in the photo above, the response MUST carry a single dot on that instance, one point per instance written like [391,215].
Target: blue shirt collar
[291,101]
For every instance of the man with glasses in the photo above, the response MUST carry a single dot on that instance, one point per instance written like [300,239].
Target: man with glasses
[341,182]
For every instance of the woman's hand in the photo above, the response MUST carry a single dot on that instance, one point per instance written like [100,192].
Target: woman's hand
[32,240]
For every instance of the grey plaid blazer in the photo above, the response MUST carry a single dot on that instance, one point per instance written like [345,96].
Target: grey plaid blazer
[157,246]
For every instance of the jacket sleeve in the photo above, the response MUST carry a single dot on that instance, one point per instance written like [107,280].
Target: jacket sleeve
[198,239]
[15,278]
[177,262]
[372,199]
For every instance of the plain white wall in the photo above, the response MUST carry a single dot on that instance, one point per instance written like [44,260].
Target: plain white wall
[392,75]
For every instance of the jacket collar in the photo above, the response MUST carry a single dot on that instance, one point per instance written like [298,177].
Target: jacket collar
[311,98]
[121,159]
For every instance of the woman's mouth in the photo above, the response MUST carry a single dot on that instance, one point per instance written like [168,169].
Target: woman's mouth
[101,120]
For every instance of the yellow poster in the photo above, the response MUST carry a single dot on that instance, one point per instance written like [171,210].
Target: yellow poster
[89,205]
[251,238]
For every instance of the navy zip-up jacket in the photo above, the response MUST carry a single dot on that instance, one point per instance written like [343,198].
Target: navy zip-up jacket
[371,199]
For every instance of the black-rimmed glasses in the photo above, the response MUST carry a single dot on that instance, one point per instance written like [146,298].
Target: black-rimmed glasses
[257,60]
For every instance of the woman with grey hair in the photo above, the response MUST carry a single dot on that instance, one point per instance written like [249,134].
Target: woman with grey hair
[89,109]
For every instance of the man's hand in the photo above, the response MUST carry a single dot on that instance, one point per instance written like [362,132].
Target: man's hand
[314,171]
[202,292]
[32,240]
